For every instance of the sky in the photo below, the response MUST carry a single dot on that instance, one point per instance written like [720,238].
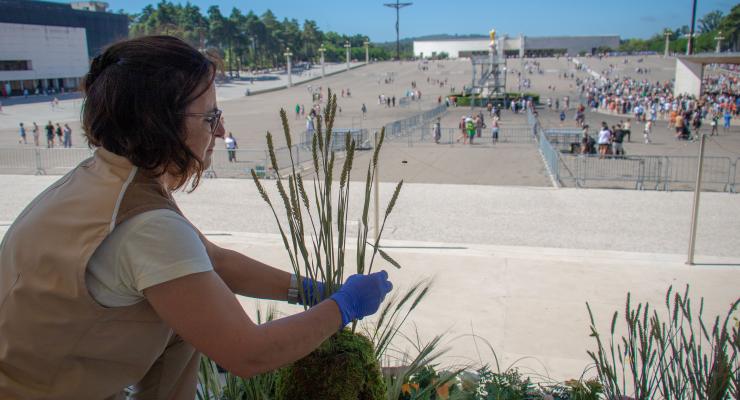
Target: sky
[626,18]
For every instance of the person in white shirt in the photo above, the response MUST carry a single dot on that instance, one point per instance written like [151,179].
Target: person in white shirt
[604,139]
[648,129]
[231,147]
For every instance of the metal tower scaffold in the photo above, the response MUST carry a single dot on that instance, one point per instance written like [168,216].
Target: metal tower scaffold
[489,75]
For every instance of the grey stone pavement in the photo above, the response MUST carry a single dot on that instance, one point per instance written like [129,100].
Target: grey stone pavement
[513,259]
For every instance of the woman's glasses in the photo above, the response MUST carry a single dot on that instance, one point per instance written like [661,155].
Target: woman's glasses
[213,118]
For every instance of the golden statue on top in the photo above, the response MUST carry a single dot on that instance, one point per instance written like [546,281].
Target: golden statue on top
[493,36]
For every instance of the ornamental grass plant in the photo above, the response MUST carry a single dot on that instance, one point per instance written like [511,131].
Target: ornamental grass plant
[317,231]
[316,235]
[681,357]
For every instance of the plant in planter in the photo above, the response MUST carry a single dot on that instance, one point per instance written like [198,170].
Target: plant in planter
[345,366]
[674,356]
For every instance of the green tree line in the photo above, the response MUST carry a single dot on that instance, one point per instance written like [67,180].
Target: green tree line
[248,40]
[708,28]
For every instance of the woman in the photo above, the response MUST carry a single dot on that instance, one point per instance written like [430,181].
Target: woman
[104,284]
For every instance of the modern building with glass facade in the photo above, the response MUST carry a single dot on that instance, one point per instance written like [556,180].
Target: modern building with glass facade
[45,45]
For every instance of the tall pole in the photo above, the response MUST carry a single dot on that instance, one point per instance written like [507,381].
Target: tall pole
[695,209]
[287,55]
[719,38]
[367,51]
[667,34]
[322,50]
[690,45]
[398,6]
[347,46]
[377,194]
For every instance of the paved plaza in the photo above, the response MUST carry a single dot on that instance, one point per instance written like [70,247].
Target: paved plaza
[514,260]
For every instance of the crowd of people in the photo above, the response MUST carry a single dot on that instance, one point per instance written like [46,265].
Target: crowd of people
[472,126]
[55,134]
[646,100]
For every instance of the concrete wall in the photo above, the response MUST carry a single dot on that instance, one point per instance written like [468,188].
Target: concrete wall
[54,52]
[688,78]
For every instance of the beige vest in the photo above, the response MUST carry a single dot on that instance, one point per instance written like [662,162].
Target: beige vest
[56,342]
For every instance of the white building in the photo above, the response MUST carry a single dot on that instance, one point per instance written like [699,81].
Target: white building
[47,45]
[516,46]
[55,55]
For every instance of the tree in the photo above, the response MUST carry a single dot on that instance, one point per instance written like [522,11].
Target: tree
[244,39]
[272,44]
[256,33]
[710,22]
[236,36]
[730,27]
[312,38]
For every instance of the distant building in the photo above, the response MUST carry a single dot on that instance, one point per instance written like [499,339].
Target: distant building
[46,45]
[517,46]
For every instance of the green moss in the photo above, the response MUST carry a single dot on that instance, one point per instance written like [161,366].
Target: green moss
[344,367]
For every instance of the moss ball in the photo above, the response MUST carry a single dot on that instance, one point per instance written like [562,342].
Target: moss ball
[344,367]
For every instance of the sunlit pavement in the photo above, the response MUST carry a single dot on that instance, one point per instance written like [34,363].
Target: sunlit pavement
[513,265]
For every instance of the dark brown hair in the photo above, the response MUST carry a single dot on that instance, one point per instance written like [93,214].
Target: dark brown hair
[136,93]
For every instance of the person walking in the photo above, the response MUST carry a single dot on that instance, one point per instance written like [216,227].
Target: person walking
[679,124]
[22,132]
[67,136]
[49,135]
[728,117]
[627,128]
[437,130]
[618,141]
[309,127]
[60,135]
[648,129]
[231,147]
[494,129]
[479,124]
[364,111]
[714,123]
[114,292]
[463,134]
[470,128]
[36,134]
[603,140]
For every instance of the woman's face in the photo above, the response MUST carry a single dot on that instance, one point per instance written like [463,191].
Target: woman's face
[200,140]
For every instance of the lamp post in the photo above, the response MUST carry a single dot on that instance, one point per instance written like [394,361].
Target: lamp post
[667,35]
[367,51]
[287,55]
[254,50]
[719,38]
[322,50]
[347,46]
